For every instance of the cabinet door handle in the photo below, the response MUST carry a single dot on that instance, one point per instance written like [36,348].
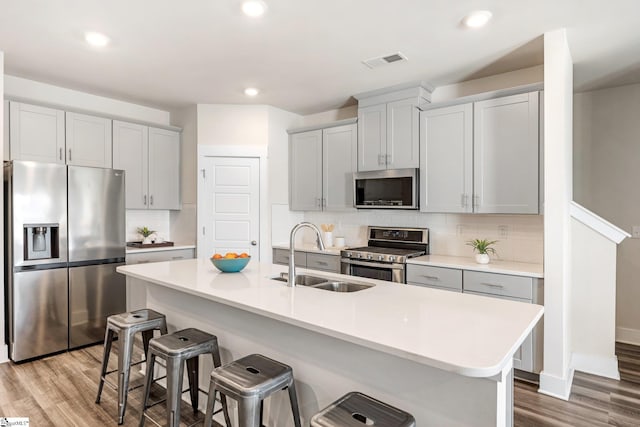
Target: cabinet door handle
[144,200]
[69,154]
[60,153]
[324,202]
[463,200]
[387,159]
[476,200]
[151,200]
[431,277]
[492,285]
[380,160]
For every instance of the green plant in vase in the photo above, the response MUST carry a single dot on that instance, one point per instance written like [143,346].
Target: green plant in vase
[146,234]
[483,247]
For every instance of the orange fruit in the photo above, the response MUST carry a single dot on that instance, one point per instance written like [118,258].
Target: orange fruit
[216,256]
[243,255]
[231,255]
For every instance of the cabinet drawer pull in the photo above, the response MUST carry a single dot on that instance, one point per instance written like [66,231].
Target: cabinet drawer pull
[492,285]
[322,263]
[177,257]
[431,277]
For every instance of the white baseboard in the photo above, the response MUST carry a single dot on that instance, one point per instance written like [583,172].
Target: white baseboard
[596,365]
[628,335]
[554,386]
[4,353]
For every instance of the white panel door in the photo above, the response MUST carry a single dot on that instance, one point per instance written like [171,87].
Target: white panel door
[88,141]
[36,133]
[231,220]
[339,162]
[506,151]
[372,137]
[164,169]
[305,166]
[403,142]
[446,164]
[130,152]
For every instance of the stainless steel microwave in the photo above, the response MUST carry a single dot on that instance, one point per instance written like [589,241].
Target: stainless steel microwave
[387,189]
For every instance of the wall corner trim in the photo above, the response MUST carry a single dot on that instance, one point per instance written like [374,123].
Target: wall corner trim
[597,223]
[554,386]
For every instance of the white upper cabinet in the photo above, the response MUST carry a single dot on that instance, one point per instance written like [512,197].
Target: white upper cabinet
[403,140]
[322,163]
[36,133]
[130,152]
[389,128]
[388,136]
[506,154]
[372,137]
[446,166]
[151,160]
[481,157]
[164,169]
[339,162]
[88,141]
[305,171]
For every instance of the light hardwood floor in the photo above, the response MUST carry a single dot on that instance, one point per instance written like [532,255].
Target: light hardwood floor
[60,391]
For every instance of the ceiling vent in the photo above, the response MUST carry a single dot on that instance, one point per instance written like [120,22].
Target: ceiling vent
[384,60]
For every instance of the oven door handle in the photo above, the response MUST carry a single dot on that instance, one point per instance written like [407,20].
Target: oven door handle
[394,266]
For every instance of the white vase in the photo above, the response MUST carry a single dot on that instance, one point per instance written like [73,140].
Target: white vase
[147,240]
[482,258]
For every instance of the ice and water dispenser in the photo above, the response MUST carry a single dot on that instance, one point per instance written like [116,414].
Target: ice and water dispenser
[41,241]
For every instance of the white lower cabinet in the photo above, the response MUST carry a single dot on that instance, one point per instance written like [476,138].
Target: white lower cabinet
[504,286]
[311,260]
[136,289]
[449,279]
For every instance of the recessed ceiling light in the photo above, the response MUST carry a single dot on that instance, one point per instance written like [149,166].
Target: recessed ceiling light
[96,39]
[254,8]
[251,91]
[477,19]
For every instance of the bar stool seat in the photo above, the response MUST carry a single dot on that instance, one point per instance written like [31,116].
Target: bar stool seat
[249,381]
[181,346]
[125,326]
[356,410]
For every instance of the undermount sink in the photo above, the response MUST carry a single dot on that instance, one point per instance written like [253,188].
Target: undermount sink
[324,283]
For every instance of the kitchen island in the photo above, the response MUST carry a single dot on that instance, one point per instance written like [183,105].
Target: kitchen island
[444,357]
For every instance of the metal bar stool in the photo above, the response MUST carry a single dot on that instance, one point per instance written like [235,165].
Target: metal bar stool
[181,346]
[126,325]
[249,381]
[356,410]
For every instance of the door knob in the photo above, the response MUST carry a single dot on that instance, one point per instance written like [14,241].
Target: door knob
[253,243]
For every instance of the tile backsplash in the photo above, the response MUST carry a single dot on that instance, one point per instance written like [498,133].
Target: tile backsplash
[520,237]
[154,220]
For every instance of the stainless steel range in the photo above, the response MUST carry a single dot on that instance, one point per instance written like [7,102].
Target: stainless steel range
[387,252]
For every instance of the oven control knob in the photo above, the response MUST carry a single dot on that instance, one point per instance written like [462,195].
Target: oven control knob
[380,257]
[392,258]
[359,255]
[369,256]
[349,254]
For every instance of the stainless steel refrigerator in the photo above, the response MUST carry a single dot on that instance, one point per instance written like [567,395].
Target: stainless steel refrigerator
[64,238]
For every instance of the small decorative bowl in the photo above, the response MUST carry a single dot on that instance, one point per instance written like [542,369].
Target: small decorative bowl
[230,265]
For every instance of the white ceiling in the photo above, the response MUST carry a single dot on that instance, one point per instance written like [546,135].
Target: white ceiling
[305,55]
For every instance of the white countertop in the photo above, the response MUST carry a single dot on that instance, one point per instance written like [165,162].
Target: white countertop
[131,250]
[495,266]
[466,334]
[305,247]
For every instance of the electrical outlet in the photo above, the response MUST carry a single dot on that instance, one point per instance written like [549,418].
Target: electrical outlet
[635,232]
[503,231]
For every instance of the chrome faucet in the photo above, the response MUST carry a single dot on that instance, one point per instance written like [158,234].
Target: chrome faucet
[292,240]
